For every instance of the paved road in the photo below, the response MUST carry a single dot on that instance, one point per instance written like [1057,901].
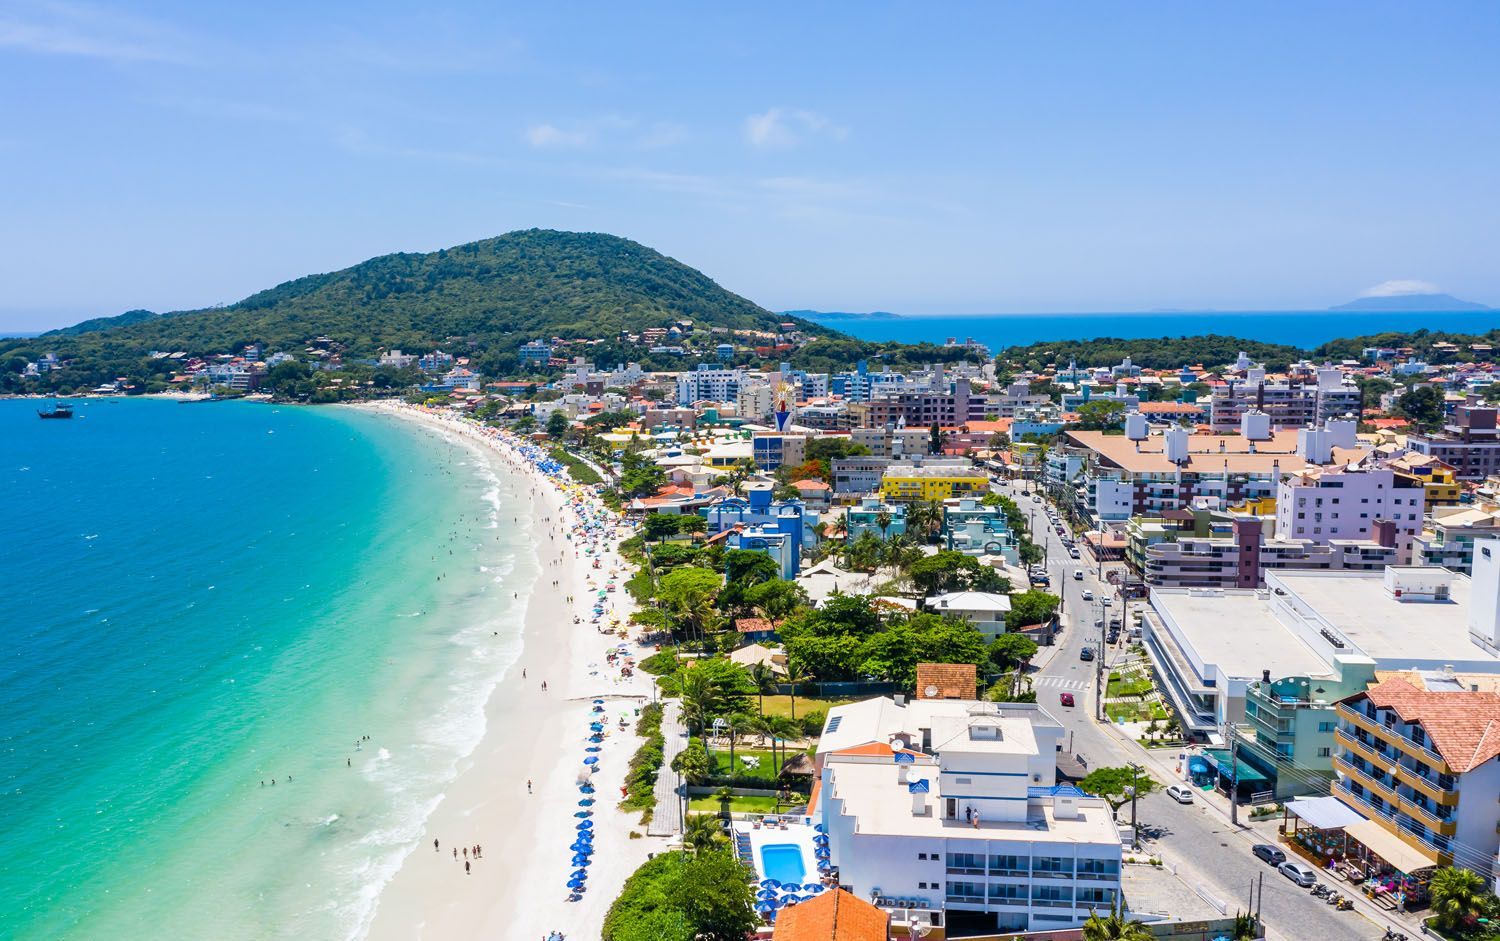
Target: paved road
[1208,854]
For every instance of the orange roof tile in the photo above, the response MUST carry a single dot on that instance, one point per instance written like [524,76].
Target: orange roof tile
[947,680]
[832,916]
[1464,727]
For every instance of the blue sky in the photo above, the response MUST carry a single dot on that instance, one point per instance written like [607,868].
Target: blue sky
[963,158]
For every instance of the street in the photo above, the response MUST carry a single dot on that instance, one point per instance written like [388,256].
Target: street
[1196,841]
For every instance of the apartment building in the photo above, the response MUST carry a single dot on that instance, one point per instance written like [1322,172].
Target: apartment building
[772,449]
[1470,444]
[910,481]
[1289,403]
[866,517]
[1241,559]
[1439,480]
[1447,538]
[855,477]
[972,528]
[891,441]
[1351,501]
[954,806]
[709,383]
[1419,758]
[919,408]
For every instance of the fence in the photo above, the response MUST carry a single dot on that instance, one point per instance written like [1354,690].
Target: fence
[848,690]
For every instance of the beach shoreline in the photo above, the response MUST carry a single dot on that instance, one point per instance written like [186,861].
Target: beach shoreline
[518,888]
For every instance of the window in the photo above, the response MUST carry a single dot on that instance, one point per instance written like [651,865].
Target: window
[1325,726]
[1324,752]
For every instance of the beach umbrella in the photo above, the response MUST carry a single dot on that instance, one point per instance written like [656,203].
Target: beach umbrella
[766,894]
[580,871]
[583,813]
[598,702]
[596,726]
[586,825]
[587,789]
[575,883]
[593,748]
[769,884]
[765,908]
[586,802]
[817,827]
[580,860]
[591,760]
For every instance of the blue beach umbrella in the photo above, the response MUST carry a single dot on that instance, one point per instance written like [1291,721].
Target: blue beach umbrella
[765,908]
[586,825]
[586,789]
[583,813]
[586,802]
[593,748]
[575,883]
[580,859]
[769,884]
[765,895]
[591,760]
[580,871]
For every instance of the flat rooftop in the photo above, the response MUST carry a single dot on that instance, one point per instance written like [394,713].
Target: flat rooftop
[883,807]
[1358,606]
[1236,631]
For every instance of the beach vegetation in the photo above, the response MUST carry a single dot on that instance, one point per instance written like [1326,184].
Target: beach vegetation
[693,763]
[688,593]
[682,897]
[1115,926]
[645,764]
[660,663]
[1459,900]
[711,689]
[1115,784]
[702,833]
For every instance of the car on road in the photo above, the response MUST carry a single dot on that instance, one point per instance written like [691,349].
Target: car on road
[1066,699]
[1073,553]
[1106,601]
[1113,637]
[1088,594]
[1086,653]
[1078,575]
[1299,873]
[1269,853]
[1180,794]
[1036,497]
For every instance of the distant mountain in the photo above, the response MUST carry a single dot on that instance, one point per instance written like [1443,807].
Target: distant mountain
[1414,302]
[483,299]
[816,315]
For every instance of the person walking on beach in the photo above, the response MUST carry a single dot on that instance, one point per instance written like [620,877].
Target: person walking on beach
[466,867]
[455,854]
[434,845]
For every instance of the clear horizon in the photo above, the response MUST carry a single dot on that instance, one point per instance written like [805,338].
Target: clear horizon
[1020,158]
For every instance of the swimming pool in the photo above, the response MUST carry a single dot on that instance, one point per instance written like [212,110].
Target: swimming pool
[783,862]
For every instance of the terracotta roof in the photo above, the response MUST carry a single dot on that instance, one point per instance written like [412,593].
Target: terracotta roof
[1464,727]
[832,916]
[870,750]
[810,485]
[1168,408]
[948,680]
[753,625]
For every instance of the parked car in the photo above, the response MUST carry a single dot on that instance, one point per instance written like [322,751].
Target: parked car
[1114,624]
[1073,553]
[1066,699]
[1078,575]
[1113,637]
[1269,853]
[1088,594]
[1299,873]
[1106,601]
[1086,653]
[1180,794]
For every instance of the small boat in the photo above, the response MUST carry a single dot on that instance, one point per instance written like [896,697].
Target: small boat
[58,410]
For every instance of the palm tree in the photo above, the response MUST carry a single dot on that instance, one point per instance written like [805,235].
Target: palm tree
[795,673]
[764,679]
[782,730]
[924,517]
[1245,928]
[883,519]
[701,833]
[1115,927]
[1458,897]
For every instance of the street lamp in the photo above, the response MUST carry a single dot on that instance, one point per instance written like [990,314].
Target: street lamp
[1135,833]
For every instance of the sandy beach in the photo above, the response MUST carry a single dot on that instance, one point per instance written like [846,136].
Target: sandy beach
[518,888]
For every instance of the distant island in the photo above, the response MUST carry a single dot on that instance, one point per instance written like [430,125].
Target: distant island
[1411,302]
[841,315]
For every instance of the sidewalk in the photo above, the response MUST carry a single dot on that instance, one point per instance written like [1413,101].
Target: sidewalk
[666,819]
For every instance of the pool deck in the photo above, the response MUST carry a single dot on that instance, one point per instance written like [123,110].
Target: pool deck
[799,835]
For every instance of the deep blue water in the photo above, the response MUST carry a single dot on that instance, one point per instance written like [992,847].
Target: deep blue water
[1304,329]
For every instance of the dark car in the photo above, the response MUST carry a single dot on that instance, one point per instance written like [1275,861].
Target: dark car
[1269,853]
[1066,699]
[1086,653]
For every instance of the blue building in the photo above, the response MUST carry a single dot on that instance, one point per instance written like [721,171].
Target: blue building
[756,513]
[972,528]
[537,351]
[865,518]
[725,352]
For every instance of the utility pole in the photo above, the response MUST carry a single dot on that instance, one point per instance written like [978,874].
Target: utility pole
[1234,776]
[1135,833]
[1099,671]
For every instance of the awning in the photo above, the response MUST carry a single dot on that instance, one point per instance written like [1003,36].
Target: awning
[1324,813]
[1389,847]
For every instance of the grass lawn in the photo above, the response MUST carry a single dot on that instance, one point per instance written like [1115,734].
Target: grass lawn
[782,705]
[744,804]
[1134,711]
[766,770]
[1128,687]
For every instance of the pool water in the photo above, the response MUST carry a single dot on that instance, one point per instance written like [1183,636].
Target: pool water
[782,862]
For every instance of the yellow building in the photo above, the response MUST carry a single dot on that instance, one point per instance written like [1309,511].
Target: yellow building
[909,483]
[1439,479]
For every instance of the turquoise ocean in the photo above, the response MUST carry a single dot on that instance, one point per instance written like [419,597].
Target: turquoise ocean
[199,599]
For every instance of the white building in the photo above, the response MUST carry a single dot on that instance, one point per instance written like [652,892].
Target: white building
[1320,504]
[985,610]
[953,806]
[710,384]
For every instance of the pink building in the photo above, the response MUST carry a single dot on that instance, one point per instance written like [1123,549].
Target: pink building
[1353,501]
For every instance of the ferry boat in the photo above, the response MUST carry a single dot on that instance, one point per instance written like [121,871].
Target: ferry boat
[58,410]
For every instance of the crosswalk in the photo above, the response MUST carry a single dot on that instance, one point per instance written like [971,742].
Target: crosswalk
[1063,683]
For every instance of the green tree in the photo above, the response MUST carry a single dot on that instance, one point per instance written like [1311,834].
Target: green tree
[639,477]
[747,567]
[1422,406]
[775,600]
[1100,414]
[688,592]
[1011,650]
[944,571]
[710,689]
[702,833]
[1114,784]
[693,763]
[692,523]
[658,526]
[1030,607]
[763,678]
[923,638]
[1115,926]
[678,897]
[1459,897]
[557,424]
[924,518]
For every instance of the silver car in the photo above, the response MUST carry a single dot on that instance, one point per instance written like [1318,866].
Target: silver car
[1299,873]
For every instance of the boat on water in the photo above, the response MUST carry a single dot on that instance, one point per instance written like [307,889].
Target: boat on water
[58,410]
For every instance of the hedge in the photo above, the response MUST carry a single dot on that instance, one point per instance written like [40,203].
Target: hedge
[640,777]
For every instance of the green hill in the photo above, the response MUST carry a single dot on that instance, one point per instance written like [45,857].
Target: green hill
[482,299]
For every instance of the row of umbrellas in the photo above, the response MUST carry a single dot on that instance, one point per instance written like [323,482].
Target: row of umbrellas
[583,839]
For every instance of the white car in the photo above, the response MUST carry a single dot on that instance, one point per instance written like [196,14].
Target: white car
[1106,601]
[1088,595]
[1298,873]
[1180,794]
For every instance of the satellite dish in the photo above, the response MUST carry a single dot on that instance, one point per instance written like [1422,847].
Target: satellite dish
[930,692]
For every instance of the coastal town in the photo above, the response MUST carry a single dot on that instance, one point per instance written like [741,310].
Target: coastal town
[973,649]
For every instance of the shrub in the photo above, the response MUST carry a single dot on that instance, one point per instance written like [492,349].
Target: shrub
[660,664]
[640,776]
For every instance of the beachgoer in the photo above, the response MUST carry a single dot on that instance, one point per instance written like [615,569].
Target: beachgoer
[455,854]
[528,785]
[348,762]
[434,845]
[466,852]
[466,867]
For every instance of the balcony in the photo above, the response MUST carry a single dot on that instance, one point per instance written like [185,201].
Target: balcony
[1391,736]
[1445,826]
[1431,786]
[1381,786]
